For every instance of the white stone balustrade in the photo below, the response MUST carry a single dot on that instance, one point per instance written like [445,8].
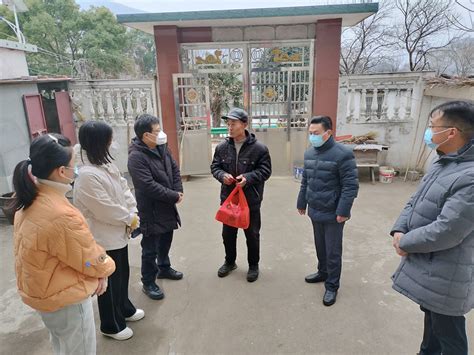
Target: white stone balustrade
[380,97]
[114,101]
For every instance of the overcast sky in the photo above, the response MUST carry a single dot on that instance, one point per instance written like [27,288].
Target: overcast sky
[187,5]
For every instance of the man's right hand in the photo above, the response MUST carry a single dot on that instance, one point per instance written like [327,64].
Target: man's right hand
[181,196]
[396,244]
[228,179]
[301,211]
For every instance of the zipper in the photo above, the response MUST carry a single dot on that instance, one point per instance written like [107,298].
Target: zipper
[237,157]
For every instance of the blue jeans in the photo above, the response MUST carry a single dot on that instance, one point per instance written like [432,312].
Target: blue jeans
[155,250]
[72,329]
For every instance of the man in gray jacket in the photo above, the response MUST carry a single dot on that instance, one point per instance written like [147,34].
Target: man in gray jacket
[435,233]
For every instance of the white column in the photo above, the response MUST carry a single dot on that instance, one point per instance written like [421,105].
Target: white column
[350,104]
[385,104]
[129,106]
[149,105]
[375,104]
[396,107]
[119,112]
[138,107]
[100,106]
[109,107]
[363,104]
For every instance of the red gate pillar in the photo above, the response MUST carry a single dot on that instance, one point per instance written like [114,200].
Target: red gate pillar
[326,68]
[167,59]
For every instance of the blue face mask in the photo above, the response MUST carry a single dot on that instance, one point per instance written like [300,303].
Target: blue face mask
[316,140]
[428,138]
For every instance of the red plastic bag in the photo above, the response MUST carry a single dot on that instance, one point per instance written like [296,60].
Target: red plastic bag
[235,211]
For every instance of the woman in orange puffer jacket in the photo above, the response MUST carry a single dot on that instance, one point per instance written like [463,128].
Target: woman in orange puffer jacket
[58,264]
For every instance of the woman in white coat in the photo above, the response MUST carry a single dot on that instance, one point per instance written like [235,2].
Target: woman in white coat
[105,199]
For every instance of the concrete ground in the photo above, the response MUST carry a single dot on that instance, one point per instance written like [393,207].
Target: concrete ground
[279,313]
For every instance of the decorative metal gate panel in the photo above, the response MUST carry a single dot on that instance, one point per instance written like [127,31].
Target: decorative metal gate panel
[191,94]
[213,58]
[281,84]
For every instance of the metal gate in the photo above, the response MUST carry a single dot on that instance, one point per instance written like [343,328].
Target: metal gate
[277,79]
[193,113]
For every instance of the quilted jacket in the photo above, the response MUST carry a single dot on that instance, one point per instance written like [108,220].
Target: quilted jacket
[438,227]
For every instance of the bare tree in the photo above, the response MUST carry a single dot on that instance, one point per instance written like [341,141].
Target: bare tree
[367,45]
[425,29]
[456,59]
[465,24]
[463,56]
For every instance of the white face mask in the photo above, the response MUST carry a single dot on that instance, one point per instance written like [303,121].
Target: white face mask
[161,138]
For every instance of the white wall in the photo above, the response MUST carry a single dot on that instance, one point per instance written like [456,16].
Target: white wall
[14,134]
[12,63]
[402,132]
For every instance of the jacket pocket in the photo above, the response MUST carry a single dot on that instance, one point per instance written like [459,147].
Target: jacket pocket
[226,164]
[245,165]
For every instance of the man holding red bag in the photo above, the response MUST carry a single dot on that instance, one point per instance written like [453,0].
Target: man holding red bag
[242,160]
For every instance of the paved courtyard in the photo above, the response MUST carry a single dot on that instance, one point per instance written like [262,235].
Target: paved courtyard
[279,313]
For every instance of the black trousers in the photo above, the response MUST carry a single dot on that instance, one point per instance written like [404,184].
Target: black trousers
[252,234]
[443,334]
[328,242]
[155,255]
[114,305]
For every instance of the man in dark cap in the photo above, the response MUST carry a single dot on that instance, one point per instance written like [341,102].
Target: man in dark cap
[244,161]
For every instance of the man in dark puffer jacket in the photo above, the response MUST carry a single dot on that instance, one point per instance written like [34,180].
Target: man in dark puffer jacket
[242,160]
[435,233]
[158,188]
[329,187]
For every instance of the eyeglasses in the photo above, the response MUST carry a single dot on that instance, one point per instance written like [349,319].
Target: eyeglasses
[460,130]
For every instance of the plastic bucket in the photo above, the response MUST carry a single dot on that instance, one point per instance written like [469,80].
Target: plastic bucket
[386,174]
[298,172]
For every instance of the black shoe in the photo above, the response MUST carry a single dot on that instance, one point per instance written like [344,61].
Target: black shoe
[329,298]
[170,274]
[153,291]
[252,274]
[314,278]
[226,269]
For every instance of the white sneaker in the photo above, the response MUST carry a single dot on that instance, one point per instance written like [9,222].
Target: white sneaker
[139,314]
[125,334]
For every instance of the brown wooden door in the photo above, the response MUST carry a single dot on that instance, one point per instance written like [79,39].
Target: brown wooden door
[33,105]
[66,120]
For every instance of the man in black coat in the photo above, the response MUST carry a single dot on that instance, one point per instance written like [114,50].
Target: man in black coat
[244,161]
[329,187]
[158,189]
